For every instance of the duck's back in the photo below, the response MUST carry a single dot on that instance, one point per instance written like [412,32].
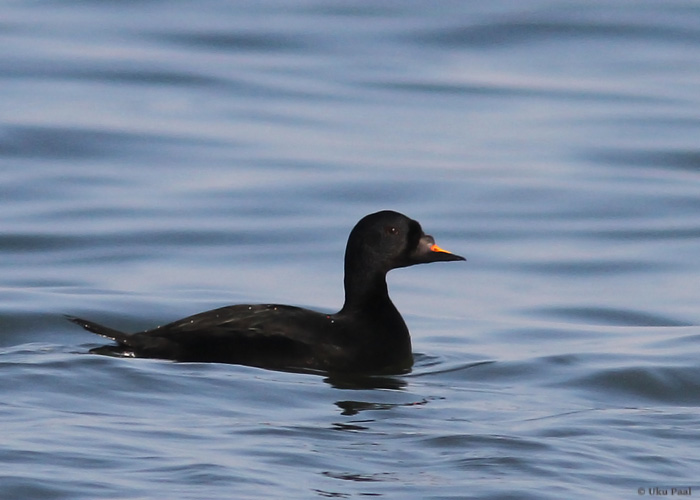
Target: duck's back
[266,335]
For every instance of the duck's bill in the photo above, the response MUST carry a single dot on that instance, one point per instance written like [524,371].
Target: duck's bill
[428,251]
[440,254]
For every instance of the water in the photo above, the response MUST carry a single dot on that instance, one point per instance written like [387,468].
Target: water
[160,159]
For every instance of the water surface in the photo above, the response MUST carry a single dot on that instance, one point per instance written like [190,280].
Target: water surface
[159,159]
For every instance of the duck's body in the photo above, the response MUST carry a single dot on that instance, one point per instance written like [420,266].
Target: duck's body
[367,335]
[271,336]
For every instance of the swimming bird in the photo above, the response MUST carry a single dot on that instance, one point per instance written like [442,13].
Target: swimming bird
[368,335]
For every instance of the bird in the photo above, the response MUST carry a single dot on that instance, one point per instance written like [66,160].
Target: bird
[367,336]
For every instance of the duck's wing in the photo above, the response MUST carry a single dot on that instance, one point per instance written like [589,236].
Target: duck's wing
[267,335]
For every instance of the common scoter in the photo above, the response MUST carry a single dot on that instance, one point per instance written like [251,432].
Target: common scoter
[368,335]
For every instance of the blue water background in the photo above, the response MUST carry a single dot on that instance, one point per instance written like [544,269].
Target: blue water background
[158,159]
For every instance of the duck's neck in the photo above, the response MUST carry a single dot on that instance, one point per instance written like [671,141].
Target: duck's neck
[366,292]
[368,304]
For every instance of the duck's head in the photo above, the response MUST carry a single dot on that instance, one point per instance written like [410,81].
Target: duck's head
[388,240]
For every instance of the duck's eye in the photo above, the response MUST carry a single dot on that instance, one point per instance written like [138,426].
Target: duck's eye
[391,230]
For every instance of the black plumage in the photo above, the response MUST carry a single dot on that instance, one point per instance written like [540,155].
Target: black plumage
[368,335]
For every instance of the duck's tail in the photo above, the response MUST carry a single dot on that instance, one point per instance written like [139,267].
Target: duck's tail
[105,331]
